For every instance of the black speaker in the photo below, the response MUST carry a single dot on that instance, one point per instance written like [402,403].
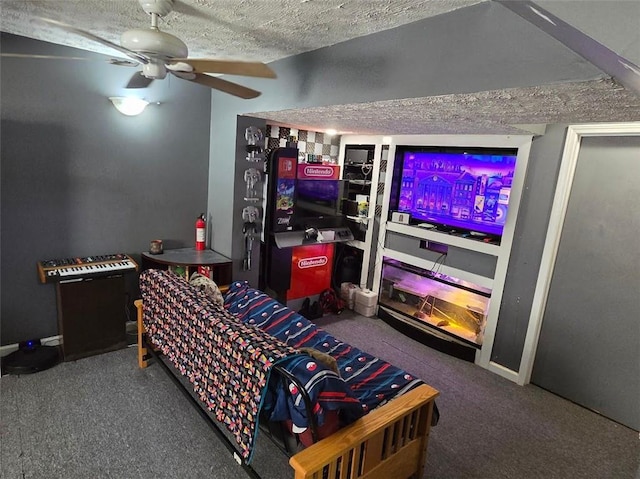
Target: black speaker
[30,359]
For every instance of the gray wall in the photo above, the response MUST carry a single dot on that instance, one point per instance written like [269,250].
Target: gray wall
[79,178]
[483,47]
[528,242]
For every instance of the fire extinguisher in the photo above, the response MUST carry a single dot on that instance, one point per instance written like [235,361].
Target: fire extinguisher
[201,230]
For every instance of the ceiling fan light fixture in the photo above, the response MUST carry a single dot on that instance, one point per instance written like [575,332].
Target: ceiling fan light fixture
[129,106]
[154,70]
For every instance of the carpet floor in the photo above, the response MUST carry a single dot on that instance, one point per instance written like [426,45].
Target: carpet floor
[103,417]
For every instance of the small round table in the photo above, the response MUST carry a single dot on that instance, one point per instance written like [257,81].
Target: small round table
[185,261]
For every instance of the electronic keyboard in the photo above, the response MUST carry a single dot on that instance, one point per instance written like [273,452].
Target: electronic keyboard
[73,269]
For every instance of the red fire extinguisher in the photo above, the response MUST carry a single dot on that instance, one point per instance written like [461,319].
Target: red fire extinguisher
[201,229]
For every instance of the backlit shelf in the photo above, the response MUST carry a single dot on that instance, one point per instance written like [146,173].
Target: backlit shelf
[444,238]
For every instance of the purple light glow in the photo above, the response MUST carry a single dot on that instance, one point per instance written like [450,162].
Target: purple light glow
[459,190]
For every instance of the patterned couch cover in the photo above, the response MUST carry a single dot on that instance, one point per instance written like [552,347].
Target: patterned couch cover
[228,363]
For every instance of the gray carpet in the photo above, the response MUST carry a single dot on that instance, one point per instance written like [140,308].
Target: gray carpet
[102,417]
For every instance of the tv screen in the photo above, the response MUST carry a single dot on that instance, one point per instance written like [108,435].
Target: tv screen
[317,200]
[463,189]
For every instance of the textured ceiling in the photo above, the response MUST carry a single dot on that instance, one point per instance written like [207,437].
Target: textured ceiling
[257,30]
[478,113]
[268,30]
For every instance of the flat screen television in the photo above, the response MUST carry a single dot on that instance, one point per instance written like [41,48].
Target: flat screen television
[318,203]
[454,189]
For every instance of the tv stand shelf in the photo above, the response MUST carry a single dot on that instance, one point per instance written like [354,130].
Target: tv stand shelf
[446,238]
[483,261]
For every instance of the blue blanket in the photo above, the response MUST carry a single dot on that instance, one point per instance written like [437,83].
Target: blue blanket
[372,380]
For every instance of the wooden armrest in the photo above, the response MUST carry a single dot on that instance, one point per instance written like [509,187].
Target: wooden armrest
[390,441]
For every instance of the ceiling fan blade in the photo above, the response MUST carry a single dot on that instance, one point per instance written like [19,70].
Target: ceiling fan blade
[123,63]
[71,29]
[41,57]
[112,61]
[251,69]
[138,80]
[222,85]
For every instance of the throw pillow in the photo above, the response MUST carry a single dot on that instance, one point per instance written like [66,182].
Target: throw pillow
[323,358]
[208,287]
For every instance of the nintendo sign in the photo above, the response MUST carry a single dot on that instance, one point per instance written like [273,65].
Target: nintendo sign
[318,172]
[311,268]
[314,262]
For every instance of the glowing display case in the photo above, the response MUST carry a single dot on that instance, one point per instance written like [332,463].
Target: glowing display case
[450,305]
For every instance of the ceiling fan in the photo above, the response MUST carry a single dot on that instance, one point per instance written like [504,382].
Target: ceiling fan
[160,53]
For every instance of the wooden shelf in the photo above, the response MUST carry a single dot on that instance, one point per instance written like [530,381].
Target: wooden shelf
[189,258]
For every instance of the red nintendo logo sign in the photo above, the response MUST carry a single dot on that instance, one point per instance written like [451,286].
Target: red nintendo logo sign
[323,171]
[314,262]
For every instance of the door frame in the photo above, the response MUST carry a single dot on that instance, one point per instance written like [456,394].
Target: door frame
[569,161]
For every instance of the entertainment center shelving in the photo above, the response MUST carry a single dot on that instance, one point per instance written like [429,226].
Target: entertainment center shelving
[482,263]
[367,223]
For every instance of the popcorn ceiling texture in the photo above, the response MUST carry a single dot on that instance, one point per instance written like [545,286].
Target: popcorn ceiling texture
[268,30]
[489,112]
[260,30]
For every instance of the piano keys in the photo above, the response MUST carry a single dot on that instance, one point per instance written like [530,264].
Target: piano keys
[72,269]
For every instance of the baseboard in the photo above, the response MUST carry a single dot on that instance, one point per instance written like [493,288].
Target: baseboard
[50,341]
